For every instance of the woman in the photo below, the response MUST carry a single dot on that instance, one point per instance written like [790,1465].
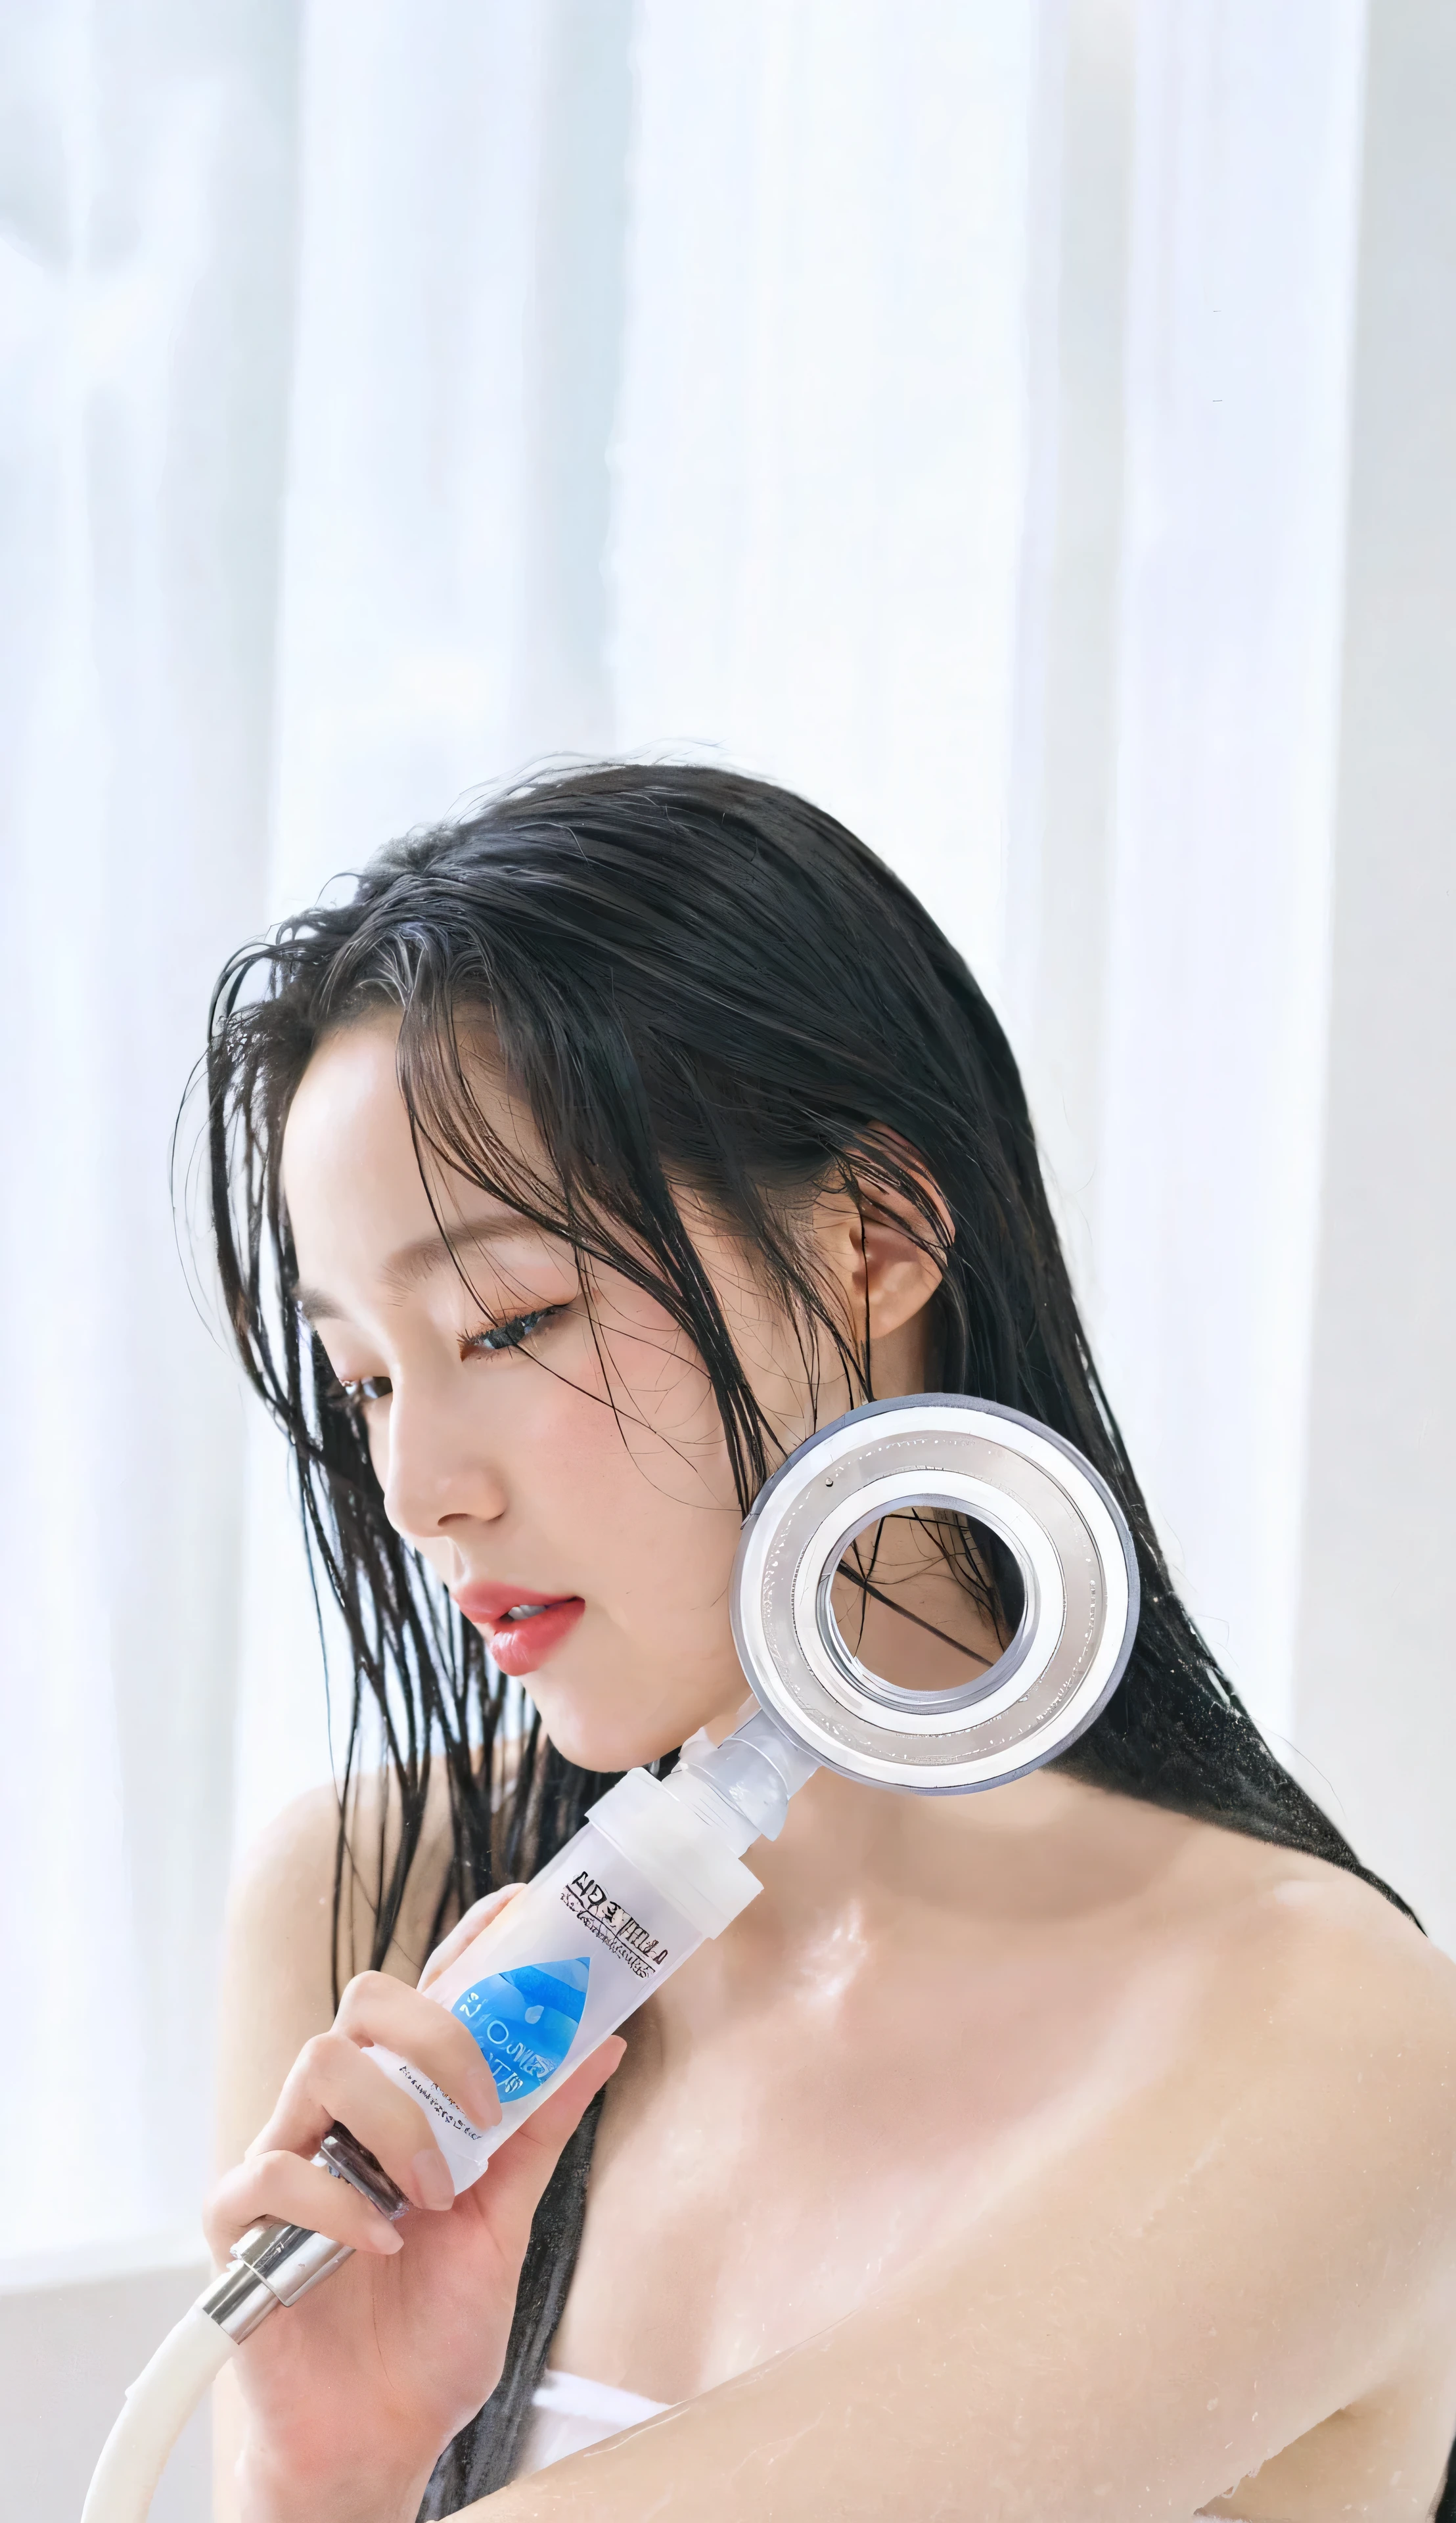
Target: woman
[1079,2149]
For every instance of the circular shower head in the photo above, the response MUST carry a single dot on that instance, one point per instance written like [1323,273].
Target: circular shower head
[1054,1516]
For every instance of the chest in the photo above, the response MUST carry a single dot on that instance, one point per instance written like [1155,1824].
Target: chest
[760,2168]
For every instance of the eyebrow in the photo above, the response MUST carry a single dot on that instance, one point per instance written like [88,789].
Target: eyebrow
[412,1263]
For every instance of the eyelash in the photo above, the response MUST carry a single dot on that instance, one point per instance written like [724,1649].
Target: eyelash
[513,1333]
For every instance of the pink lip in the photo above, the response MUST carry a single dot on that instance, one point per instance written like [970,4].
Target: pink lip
[519,1646]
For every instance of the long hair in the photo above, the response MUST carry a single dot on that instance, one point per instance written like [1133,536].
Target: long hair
[694,981]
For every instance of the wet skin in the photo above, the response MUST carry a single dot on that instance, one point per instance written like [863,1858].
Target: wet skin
[1036,2154]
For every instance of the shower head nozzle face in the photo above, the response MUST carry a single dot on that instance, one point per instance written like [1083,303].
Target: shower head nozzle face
[945,1453]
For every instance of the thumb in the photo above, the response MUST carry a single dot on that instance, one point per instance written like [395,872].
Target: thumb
[467,1930]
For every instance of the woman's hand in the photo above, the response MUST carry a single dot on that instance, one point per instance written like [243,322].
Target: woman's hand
[352,2394]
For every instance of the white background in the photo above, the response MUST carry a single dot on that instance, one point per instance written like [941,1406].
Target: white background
[1026,426]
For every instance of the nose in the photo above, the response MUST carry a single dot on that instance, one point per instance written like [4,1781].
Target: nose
[441,1469]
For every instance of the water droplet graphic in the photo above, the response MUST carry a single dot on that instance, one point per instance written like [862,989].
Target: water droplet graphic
[524,2022]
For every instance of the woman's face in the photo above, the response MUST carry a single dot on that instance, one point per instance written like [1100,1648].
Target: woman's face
[566,1474]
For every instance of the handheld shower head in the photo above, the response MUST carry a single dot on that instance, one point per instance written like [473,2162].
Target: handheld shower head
[1059,1521]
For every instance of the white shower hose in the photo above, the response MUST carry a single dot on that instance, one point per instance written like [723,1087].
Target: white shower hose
[156,2409]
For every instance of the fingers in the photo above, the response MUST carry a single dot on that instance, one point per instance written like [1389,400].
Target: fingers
[467,1931]
[336,2081]
[333,2079]
[282,2185]
[524,2165]
[374,2008]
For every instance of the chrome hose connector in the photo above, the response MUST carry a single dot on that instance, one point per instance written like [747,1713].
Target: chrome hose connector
[273,2263]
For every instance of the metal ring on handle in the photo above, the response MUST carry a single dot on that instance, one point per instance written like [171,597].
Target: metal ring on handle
[1054,1514]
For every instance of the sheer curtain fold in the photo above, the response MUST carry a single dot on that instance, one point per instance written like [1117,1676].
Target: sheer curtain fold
[1239,323]
[819,459]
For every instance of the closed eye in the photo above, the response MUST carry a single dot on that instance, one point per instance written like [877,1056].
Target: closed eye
[510,1334]
[356,1391]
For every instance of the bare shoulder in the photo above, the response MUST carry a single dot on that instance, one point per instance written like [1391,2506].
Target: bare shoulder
[283,1888]
[280,1953]
[1267,1932]
[1270,1991]
[1324,1942]
[1321,1988]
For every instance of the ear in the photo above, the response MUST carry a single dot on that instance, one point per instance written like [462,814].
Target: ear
[880,1251]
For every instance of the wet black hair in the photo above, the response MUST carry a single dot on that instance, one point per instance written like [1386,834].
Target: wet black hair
[698,981]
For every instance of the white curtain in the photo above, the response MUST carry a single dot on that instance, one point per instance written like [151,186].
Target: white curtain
[145,286]
[1204,1203]
[942,410]
[821,449]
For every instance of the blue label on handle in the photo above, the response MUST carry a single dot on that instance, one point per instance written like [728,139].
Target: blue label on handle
[524,2022]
